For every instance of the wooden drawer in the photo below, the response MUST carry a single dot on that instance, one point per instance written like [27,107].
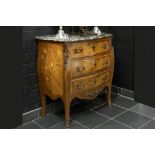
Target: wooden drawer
[88,83]
[84,49]
[87,66]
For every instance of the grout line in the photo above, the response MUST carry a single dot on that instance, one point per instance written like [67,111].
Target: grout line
[120,94]
[120,114]
[145,123]
[38,124]
[115,117]
[115,121]
[133,111]
[55,125]
[120,106]
[102,124]
[122,88]
[123,124]
[108,116]
[100,113]
[140,114]
[126,97]
[80,124]
[128,109]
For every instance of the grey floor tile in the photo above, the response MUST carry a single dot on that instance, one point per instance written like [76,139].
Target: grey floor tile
[124,102]
[109,111]
[73,125]
[50,120]
[144,110]
[30,116]
[132,119]
[90,119]
[112,125]
[30,125]
[150,125]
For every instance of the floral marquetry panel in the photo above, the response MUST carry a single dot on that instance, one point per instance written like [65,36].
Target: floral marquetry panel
[51,66]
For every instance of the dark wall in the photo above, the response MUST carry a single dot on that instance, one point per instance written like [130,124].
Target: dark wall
[123,41]
[29,66]
[10,77]
[145,65]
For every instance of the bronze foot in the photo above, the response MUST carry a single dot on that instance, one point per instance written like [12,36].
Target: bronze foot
[67,123]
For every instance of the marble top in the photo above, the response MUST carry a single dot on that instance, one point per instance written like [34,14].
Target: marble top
[72,38]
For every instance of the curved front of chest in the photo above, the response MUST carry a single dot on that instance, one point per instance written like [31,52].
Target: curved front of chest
[90,68]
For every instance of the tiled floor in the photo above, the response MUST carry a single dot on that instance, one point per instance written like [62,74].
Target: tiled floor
[124,114]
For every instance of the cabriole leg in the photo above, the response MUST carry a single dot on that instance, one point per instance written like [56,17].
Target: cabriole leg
[109,95]
[67,113]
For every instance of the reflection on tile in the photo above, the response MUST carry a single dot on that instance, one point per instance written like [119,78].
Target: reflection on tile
[90,119]
[109,111]
[150,125]
[132,119]
[144,110]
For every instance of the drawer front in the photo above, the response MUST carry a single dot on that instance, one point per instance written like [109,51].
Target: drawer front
[84,49]
[90,65]
[88,83]
[101,46]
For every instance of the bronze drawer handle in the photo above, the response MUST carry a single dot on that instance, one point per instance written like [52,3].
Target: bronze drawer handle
[93,47]
[106,62]
[79,69]
[77,86]
[104,46]
[105,78]
[76,51]
[95,81]
[95,64]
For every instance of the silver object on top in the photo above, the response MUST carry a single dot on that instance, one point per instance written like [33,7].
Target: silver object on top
[96,30]
[61,34]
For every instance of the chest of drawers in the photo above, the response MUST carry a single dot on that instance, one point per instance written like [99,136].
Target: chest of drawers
[77,68]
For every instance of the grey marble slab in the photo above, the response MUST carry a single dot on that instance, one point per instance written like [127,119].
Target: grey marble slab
[72,38]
